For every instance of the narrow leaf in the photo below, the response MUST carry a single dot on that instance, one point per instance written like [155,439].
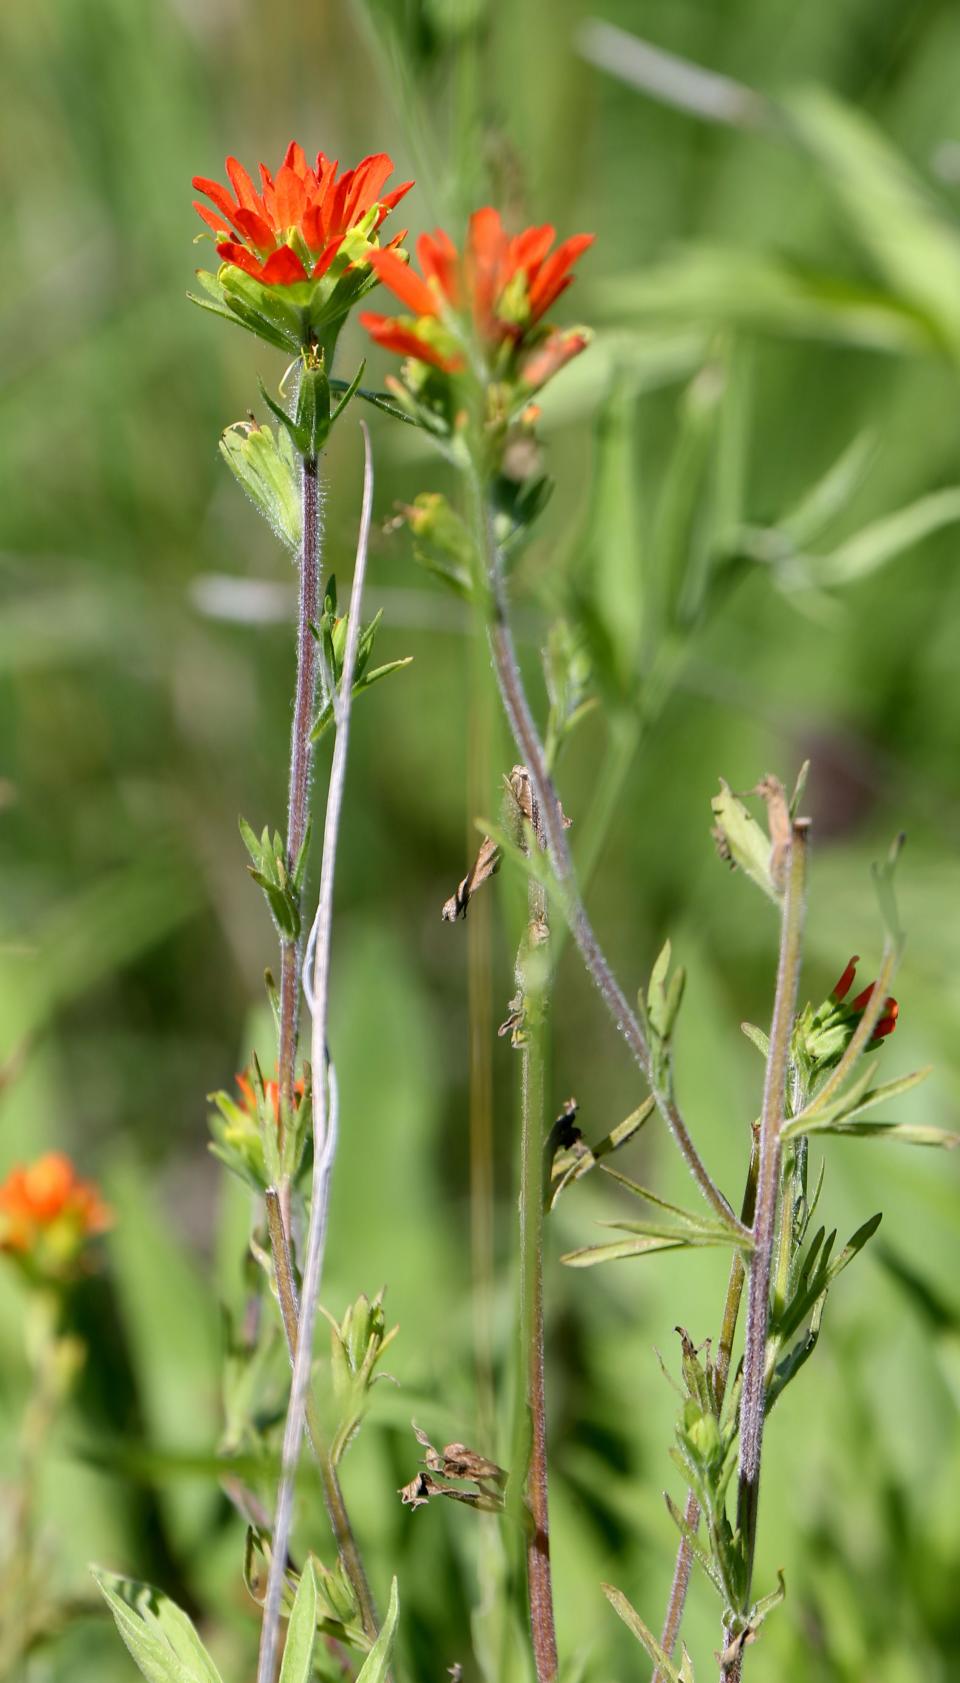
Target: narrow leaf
[643,1634]
[374,1668]
[302,1630]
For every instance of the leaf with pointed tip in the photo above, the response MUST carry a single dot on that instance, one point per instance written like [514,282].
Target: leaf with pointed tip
[374,1668]
[301,1631]
[160,1638]
[643,1634]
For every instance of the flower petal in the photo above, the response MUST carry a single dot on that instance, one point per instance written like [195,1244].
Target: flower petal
[550,277]
[439,261]
[394,336]
[406,286]
[247,196]
[283,268]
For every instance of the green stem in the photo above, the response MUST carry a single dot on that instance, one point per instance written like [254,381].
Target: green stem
[531,750]
[721,1373]
[531,968]
[301,760]
[753,1388]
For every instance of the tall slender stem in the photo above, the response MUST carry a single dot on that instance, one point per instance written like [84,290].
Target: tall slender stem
[332,1491]
[531,978]
[531,749]
[721,1373]
[753,1386]
[325,1109]
[301,759]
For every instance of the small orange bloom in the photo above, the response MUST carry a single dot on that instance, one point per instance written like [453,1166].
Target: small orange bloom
[47,1211]
[501,288]
[293,228]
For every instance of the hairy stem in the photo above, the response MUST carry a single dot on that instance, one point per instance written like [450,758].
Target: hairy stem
[721,1373]
[531,750]
[325,1108]
[533,995]
[753,1388]
[301,759]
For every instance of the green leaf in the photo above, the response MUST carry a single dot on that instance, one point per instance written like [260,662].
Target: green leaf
[742,840]
[160,1638]
[883,540]
[757,1038]
[348,392]
[622,1250]
[324,718]
[909,1133]
[374,1668]
[301,1631]
[643,1634]
[839,1115]
[830,495]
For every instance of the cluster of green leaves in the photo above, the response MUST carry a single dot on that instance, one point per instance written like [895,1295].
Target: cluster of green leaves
[331,633]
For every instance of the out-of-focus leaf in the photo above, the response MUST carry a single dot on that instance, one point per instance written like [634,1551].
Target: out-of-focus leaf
[719,286]
[161,1638]
[882,541]
[829,495]
[897,217]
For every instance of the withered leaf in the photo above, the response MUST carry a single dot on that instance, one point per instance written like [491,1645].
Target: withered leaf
[486,865]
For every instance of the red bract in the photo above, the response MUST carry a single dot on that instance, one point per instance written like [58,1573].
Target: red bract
[891,1010]
[292,229]
[496,294]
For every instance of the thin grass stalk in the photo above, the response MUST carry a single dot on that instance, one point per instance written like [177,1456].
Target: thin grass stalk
[754,1381]
[325,1110]
[532,976]
[301,761]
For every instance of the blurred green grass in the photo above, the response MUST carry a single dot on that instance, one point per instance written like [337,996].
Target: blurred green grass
[816,282]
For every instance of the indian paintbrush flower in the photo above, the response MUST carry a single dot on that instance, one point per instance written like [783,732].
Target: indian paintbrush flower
[822,1036]
[295,253]
[245,1130]
[484,311]
[47,1214]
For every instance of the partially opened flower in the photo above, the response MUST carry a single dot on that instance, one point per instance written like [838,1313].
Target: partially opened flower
[822,1036]
[246,1129]
[483,311]
[47,1214]
[295,251]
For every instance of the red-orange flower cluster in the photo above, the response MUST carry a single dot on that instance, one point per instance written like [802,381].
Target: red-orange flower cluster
[502,286]
[46,1206]
[293,228]
[887,1021]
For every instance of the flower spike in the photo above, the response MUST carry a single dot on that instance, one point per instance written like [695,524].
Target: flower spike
[279,242]
[484,309]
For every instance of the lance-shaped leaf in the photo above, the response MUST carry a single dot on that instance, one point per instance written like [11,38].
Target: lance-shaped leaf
[301,1631]
[839,1115]
[160,1638]
[645,1637]
[376,1664]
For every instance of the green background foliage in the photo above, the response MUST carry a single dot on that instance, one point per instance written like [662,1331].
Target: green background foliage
[761,299]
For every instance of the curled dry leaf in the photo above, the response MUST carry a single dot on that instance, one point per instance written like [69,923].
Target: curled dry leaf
[456,1461]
